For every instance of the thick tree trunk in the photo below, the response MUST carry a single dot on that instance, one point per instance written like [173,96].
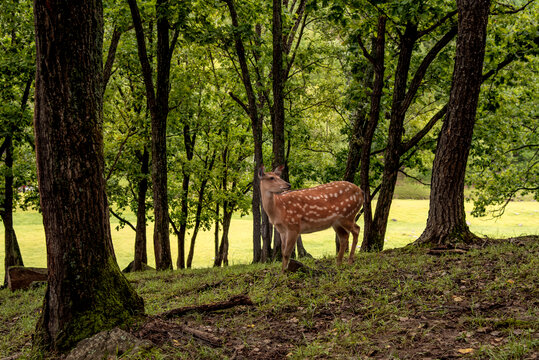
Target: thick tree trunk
[161,241]
[13,255]
[141,256]
[446,223]
[86,291]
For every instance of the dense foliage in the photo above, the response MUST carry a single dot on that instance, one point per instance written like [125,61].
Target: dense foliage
[209,135]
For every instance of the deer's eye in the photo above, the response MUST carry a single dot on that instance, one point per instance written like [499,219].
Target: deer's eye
[272,178]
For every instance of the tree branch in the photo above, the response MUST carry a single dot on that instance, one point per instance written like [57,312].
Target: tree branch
[240,103]
[111,55]
[129,134]
[437,24]
[512,8]
[117,216]
[422,69]
[368,56]
[143,54]
[299,14]
[406,146]
[413,177]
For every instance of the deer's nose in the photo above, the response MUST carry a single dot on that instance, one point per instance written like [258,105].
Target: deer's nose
[287,186]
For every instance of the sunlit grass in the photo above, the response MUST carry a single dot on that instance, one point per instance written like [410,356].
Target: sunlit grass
[406,222]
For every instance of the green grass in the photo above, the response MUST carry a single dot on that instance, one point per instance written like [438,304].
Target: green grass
[406,222]
[398,304]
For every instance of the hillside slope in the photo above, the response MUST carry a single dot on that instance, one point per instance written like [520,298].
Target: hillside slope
[403,303]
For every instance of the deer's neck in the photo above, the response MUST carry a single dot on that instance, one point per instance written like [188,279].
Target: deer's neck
[269,202]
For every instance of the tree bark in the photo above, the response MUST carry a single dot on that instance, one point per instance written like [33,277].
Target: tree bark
[13,255]
[370,128]
[141,256]
[198,214]
[256,125]
[374,239]
[222,257]
[86,291]
[403,96]
[157,99]
[446,223]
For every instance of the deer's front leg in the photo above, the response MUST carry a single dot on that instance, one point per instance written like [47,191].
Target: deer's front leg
[289,242]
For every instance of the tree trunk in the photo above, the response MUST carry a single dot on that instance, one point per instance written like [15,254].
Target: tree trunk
[216,234]
[201,194]
[141,256]
[374,239]
[157,100]
[266,236]
[189,143]
[86,291]
[13,255]
[446,223]
[370,128]
[222,258]
[256,125]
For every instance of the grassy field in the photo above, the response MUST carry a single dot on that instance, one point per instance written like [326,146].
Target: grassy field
[407,220]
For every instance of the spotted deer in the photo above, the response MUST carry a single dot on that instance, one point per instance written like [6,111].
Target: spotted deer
[309,210]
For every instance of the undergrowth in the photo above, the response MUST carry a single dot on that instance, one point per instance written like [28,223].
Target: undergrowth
[400,304]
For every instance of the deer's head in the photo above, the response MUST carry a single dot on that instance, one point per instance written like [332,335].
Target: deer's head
[271,181]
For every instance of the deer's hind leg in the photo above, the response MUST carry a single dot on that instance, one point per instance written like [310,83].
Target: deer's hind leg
[342,234]
[352,227]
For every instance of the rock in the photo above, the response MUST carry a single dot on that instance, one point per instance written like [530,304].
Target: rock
[129,268]
[114,342]
[20,277]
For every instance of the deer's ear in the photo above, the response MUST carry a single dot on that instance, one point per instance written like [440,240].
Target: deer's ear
[261,172]
[279,170]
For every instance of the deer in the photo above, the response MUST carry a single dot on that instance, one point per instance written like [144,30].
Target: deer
[304,211]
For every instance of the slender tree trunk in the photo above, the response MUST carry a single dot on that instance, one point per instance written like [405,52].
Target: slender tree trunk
[157,99]
[256,125]
[198,214]
[86,291]
[374,239]
[446,223]
[370,128]
[13,255]
[216,235]
[189,143]
[141,256]
[222,258]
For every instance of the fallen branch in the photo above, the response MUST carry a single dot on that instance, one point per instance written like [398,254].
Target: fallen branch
[204,336]
[440,251]
[160,331]
[234,301]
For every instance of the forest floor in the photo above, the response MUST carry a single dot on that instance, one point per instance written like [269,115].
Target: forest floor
[408,303]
